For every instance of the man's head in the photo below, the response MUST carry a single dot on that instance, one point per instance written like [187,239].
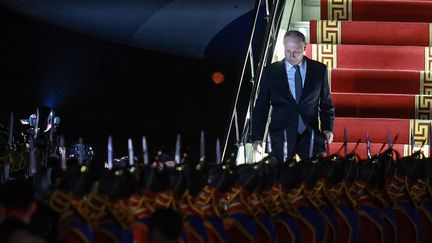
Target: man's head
[295,44]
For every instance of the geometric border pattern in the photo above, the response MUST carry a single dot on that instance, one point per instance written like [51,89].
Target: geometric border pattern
[339,9]
[325,53]
[423,107]
[328,32]
[426,83]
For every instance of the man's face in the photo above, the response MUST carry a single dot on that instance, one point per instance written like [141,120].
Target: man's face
[294,49]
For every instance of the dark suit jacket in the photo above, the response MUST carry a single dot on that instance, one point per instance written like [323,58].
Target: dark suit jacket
[315,102]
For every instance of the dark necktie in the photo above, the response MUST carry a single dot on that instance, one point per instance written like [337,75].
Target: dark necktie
[298,92]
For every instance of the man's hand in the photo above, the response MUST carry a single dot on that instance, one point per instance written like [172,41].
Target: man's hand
[328,136]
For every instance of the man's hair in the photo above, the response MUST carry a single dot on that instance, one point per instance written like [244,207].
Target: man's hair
[296,34]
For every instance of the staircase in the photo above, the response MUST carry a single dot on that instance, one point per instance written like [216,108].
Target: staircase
[380,68]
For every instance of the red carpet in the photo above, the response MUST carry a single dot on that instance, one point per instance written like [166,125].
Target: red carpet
[380,81]
[378,129]
[377,10]
[380,69]
[371,56]
[370,33]
[386,106]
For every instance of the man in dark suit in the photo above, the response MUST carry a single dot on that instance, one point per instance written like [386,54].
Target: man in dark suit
[299,93]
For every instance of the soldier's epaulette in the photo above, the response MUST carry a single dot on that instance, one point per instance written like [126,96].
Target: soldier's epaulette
[188,206]
[208,200]
[395,189]
[315,196]
[275,202]
[60,201]
[356,191]
[297,198]
[206,195]
[235,201]
[122,214]
[376,197]
[92,208]
[417,191]
[140,206]
[165,200]
[255,206]
[334,193]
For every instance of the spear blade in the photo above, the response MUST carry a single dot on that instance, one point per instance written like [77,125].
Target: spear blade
[110,153]
[218,151]
[368,146]
[177,149]
[285,147]
[311,145]
[131,152]
[80,151]
[62,151]
[345,141]
[202,146]
[145,150]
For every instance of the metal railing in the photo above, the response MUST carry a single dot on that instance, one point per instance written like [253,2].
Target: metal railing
[252,69]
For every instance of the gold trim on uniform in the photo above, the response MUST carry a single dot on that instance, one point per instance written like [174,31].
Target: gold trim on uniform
[328,32]
[423,107]
[325,53]
[426,83]
[339,9]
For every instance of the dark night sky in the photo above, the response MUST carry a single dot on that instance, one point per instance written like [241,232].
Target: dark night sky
[100,87]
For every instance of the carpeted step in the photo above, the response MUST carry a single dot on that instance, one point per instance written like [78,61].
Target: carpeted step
[361,150]
[372,56]
[377,10]
[378,129]
[370,33]
[383,105]
[380,81]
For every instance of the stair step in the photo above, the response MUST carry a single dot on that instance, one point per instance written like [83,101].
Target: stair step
[369,33]
[377,10]
[378,128]
[383,105]
[380,81]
